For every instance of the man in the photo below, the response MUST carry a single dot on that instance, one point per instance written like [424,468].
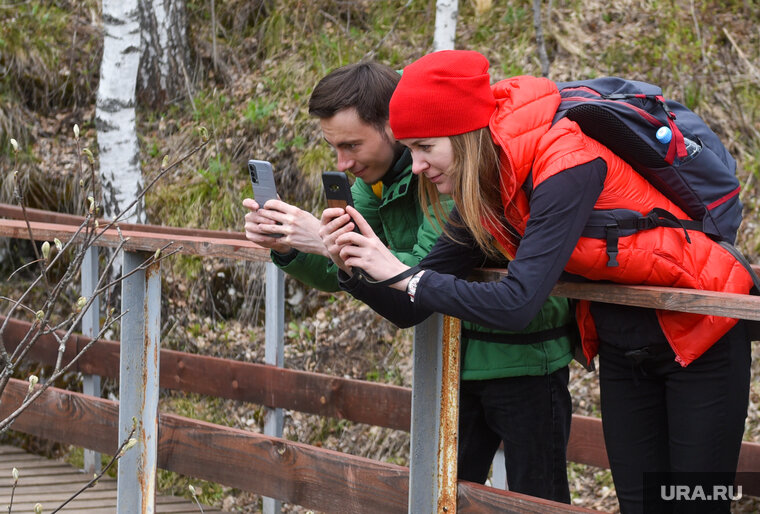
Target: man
[511,393]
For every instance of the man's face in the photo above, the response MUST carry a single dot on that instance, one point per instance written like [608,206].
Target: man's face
[361,149]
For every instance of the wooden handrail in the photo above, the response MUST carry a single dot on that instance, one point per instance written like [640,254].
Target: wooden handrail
[360,401]
[325,395]
[47,226]
[325,480]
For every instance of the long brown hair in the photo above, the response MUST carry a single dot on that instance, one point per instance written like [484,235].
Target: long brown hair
[476,188]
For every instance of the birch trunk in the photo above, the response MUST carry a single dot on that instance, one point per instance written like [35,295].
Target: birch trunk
[445,24]
[115,110]
[163,73]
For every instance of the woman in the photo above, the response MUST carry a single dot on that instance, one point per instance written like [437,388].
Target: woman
[674,386]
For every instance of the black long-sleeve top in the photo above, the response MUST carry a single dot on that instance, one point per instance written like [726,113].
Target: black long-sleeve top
[559,209]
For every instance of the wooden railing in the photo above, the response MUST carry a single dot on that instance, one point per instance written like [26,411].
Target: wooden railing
[288,471]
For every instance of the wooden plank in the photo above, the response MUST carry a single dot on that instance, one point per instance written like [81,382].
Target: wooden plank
[52,493]
[472,498]
[375,404]
[731,305]
[358,400]
[235,246]
[586,443]
[140,240]
[321,479]
[15,212]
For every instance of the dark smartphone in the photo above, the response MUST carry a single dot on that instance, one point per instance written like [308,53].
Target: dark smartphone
[262,180]
[338,194]
[337,189]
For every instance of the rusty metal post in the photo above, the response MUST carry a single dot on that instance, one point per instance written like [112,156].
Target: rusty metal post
[449,425]
[138,385]
[274,355]
[435,399]
[90,328]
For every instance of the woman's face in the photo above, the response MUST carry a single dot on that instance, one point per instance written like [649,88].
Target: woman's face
[433,157]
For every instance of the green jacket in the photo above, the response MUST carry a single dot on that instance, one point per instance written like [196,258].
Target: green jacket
[399,222]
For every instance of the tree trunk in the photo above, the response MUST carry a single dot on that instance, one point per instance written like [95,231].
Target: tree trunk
[115,109]
[445,24]
[163,73]
[540,42]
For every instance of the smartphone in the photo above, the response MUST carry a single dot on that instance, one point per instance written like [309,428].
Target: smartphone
[338,194]
[337,189]
[262,180]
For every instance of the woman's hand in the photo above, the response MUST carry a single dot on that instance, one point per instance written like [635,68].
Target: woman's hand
[333,224]
[364,250]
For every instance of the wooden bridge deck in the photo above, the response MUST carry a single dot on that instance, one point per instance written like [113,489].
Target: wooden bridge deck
[52,482]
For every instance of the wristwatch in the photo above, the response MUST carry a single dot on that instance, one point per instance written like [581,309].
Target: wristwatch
[411,286]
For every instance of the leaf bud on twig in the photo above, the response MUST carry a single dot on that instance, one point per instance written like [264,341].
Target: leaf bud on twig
[33,379]
[132,441]
[14,144]
[89,155]
[58,244]
[165,162]
[46,250]
[40,314]
[14,473]
[81,302]
[76,131]
[38,508]
[204,133]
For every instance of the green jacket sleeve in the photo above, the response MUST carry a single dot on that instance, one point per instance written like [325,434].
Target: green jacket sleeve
[315,271]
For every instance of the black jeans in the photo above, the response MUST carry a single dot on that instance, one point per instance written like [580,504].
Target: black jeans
[661,417]
[531,415]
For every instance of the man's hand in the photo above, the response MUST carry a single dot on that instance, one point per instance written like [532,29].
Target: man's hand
[299,229]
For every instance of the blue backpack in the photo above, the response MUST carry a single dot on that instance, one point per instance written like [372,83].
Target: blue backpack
[688,163]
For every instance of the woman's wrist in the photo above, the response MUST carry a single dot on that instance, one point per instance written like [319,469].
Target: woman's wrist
[411,284]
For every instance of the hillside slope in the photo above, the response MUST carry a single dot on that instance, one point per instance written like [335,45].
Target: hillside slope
[249,83]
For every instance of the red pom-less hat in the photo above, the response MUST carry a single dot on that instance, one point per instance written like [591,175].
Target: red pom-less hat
[444,93]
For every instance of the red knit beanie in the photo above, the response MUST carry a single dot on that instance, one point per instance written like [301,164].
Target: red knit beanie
[444,93]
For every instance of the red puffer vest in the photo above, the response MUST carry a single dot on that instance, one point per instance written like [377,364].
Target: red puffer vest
[522,127]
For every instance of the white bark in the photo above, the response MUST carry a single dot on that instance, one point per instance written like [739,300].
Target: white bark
[445,24]
[163,74]
[115,109]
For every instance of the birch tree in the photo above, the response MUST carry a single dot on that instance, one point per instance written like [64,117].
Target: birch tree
[445,24]
[120,173]
[163,75]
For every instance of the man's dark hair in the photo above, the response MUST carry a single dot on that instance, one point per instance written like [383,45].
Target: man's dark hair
[365,86]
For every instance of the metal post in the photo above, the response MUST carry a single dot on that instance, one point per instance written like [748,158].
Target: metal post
[449,420]
[90,328]
[274,355]
[435,394]
[138,384]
